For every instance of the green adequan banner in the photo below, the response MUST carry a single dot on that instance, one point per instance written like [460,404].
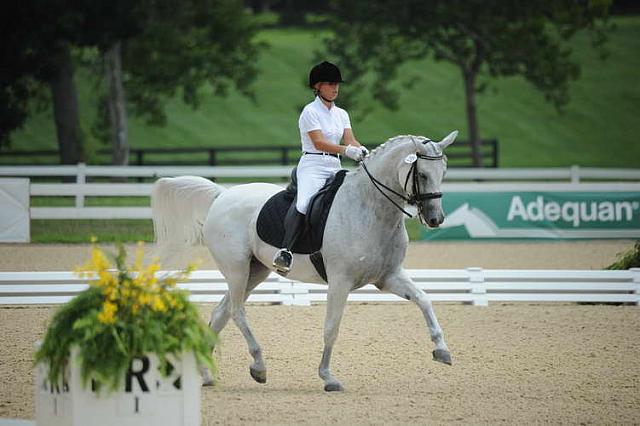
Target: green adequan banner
[559,215]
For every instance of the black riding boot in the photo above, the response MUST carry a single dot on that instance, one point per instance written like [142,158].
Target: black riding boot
[294,224]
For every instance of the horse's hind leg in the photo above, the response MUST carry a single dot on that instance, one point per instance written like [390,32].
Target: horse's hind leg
[232,305]
[258,370]
[222,312]
[401,285]
[219,318]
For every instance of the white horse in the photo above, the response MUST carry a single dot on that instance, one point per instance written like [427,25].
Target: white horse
[365,239]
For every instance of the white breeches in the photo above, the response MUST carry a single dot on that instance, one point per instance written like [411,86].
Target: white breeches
[313,171]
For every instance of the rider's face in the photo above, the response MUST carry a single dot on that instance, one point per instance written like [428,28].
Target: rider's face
[329,91]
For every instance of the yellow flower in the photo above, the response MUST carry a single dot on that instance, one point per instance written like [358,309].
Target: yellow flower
[145,299]
[158,305]
[99,261]
[151,272]
[107,315]
[97,268]
[111,293]
[106,279]
[133,288]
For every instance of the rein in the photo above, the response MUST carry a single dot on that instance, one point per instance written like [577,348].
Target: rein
[417,198]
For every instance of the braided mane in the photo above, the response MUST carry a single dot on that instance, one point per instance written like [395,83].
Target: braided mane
[433,149]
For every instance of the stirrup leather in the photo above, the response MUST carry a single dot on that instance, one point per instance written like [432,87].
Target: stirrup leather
[282,261]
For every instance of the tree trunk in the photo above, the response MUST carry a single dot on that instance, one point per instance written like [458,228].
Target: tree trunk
[65,108]
[117,107]
[472,118]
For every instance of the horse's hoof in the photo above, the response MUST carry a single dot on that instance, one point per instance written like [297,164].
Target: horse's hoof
[208,382]
[259,376]
[442,356]
[333,387]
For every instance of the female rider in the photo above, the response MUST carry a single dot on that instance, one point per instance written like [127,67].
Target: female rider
[322,126]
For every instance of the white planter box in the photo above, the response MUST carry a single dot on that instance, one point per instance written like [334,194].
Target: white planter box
[145,397]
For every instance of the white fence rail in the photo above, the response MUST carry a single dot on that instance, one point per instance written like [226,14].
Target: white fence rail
[472,285]
[80,191]
[492,180]
[573,174]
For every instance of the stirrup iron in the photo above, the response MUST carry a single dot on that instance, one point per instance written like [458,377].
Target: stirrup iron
[282,261]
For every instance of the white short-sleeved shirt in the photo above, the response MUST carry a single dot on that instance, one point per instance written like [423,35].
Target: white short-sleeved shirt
[331,121]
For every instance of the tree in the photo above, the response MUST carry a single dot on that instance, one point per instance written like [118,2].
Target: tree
[116,103]
[496,37]
[152,49]
[181,47]
[39,38]
[184,45]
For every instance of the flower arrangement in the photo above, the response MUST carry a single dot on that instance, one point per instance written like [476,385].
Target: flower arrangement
[126,312]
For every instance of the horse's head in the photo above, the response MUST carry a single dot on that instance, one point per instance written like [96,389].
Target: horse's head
[421,176]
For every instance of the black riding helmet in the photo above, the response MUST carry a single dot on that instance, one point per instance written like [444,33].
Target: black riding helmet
[324,72]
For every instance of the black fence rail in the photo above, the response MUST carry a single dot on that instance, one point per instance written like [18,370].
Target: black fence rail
[459,155]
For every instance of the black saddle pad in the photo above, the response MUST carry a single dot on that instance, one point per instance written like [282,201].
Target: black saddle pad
[271,218]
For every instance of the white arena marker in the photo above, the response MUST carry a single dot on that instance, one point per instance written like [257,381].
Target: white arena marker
[14,211]
[145,397]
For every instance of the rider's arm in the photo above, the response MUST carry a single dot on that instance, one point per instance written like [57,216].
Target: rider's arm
[323,145]
[349,139]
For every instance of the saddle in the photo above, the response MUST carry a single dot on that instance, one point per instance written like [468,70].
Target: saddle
[272,218]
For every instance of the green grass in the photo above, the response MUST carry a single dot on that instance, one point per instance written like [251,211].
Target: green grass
[123,230]
[91,201]
[597,129]
[81,231]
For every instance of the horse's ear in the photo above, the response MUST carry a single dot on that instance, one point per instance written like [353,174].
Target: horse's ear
[448,140]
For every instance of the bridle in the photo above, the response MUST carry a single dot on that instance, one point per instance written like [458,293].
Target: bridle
[417,198]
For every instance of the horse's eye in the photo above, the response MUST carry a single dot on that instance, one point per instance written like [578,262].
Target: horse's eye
[423,176]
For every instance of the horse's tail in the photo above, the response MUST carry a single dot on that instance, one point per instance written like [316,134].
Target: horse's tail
[179,207]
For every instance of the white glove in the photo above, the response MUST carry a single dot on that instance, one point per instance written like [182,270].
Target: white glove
[364,150]
[354,153]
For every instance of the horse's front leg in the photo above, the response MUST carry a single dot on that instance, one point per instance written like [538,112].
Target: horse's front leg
[336,299]
[401,285]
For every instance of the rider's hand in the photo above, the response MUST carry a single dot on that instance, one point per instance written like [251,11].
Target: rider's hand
[354,152]
[364,150]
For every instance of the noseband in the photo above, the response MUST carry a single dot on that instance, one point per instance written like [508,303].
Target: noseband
[418,198]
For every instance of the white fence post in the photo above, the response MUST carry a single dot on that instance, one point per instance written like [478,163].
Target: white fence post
[575,174]
[635,272]
[286,292]
[294,294]
[478,288]
[81,179]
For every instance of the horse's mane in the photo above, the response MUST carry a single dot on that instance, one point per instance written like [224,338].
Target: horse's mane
[392,142]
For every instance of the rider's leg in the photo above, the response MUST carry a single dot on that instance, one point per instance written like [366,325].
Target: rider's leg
[311,175]
[294,225]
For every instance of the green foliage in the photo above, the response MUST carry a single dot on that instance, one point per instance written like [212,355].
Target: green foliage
[184,46]
[36,32]
[373,39]
[122,315]
[629,259]
[502,38]
[170,46]
[598,126]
